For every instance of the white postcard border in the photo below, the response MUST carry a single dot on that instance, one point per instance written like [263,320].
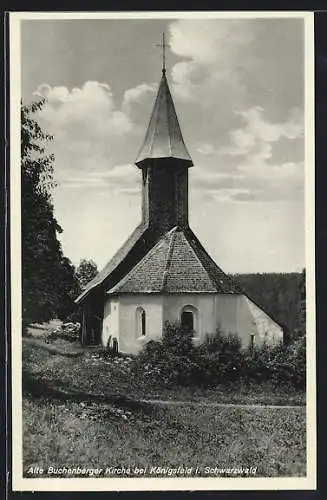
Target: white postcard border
[159,484]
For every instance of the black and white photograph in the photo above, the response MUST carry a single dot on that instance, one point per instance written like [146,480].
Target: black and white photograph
[162,235]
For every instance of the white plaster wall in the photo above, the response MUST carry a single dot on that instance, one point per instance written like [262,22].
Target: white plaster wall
[227,313]
[234,313]
[153,305]
[110,324]
[238,314]
[267,329]
[205,305]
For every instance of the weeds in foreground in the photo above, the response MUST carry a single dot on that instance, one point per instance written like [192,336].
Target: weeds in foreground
[88,435]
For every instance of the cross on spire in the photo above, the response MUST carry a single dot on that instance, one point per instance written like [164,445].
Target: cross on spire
[163,47]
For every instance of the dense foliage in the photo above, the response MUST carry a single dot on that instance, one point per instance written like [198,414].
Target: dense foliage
[86,271]
[282,295]
[49,284]
[220,359]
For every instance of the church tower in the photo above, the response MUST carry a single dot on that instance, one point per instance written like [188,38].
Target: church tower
[164,162]
[162,272]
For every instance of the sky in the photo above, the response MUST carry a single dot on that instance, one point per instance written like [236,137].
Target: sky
[238,88]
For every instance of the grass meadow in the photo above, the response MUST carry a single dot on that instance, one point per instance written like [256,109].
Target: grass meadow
[87,411]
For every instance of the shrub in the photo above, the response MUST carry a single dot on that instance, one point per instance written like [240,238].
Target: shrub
[256,363]
[220,359]
[289,364]
[177,340]
[299,350]
[281,364]
[168,361]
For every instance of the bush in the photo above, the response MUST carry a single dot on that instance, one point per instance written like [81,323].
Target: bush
[176,340]
[175,360]
[256,363]
[218,358]
[169,361]
[299,350]
[281,364]
[289,364]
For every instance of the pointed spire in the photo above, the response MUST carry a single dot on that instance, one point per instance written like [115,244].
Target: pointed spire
[163,138]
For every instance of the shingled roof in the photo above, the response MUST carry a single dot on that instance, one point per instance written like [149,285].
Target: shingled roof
[163,138]
[176,264]
[138,235]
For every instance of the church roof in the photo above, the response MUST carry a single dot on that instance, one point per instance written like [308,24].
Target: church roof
[138,237]
[153,259]
[176,264]
[163,138]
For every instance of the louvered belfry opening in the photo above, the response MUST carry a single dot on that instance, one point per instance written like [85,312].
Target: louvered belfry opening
[164,194]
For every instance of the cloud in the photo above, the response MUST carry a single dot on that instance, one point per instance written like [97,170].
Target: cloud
[253,174]
[253,143]
[273,183]
[91,132]
[119,179]
[87,112]
[257,129]
[205,148]
[209,41]
[212,48]
[138,100]
[77,182]
[125,178]
[229,66]
[239,114]
[239,51]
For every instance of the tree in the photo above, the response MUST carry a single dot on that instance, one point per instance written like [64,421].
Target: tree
[48,278]
[302,311]
[86,271]
[68,289]
[278,293]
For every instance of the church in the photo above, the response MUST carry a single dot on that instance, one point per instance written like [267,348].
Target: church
[163,273]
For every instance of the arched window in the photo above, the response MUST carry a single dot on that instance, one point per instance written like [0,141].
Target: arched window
[189,319]
[140,323]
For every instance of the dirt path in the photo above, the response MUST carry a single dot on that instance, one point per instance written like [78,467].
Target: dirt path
[39,388]
[214,404]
